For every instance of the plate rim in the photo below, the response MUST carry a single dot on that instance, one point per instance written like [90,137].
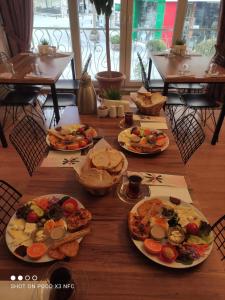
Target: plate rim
[143,153]
[49,259]
[153,258]
[66,150]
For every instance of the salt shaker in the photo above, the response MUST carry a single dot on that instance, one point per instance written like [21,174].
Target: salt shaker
[112,112]
[120,111]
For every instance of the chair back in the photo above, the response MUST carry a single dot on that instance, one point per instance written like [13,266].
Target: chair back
[3,57]
[29,140]
[9,197]
[188,135]
[143,73]
[218,229]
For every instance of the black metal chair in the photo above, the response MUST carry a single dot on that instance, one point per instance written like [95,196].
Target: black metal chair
[71,85]
[15,101]
[29,140]
[188,135]
[218,229]
[203,104]
[9,197]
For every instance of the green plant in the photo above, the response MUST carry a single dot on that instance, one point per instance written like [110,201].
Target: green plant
[206,47]
[105,7]
[44,42]
[112,94]
[156,45]
[180,42]
[115,39]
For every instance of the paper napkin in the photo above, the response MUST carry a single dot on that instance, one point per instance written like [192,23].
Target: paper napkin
[154,125]
[61,159]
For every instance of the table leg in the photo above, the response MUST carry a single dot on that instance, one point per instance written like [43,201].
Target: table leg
[218,125]
[55,102]
[72,68]
[165,89]
[2,137]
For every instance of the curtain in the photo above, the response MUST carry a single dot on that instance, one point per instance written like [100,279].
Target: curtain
[217,91]
[17,18]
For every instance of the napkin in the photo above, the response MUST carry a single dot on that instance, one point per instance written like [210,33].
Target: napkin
[61,159]
[165,185]
[6,75]
[154,125]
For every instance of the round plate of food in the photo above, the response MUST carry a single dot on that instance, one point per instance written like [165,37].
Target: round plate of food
[142,140]
[170,232]
[71,137]
[47,228]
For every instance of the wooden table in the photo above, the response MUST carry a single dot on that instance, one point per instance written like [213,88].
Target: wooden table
[51,68]
[169,67]
[108,265]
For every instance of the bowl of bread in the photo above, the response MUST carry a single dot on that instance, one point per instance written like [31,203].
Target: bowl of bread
[148,103]
[101,169]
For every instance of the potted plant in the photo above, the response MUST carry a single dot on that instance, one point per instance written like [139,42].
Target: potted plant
[43,47]
[94,36]
[112,97]
[180,47]
[107,79]
[115,42]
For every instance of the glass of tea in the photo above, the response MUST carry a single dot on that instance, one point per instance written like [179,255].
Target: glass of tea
[128,118]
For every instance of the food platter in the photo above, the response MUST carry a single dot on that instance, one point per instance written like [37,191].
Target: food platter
[72,137]
[190,249]
[50,224]
[143,140]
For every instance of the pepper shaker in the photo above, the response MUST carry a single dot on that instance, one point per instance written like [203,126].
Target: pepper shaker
[112,112]
[120,111]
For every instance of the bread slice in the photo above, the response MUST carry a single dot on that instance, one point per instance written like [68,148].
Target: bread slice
[117,169]
[93,178]
[101,159]
[115,158]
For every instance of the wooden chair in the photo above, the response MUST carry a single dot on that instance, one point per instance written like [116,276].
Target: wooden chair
[188,135]
[9,197]
[29,140]
[218,229]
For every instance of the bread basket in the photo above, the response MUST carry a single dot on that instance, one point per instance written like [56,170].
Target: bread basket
[102,188]
[151,107]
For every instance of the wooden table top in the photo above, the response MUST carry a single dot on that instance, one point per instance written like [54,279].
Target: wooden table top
[197,66]
[51,68]
[108,265]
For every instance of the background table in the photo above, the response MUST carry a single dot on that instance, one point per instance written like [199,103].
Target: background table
[51,68]
[169,67]
[108,265]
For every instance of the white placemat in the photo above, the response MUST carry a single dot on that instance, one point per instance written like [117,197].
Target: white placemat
[165,185]
[61,159]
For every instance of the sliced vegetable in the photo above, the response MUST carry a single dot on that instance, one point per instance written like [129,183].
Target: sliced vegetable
[32,217]
[37,250]
[42,203]
[168,253]
[152,247]
[192,228]
[70,205]
[39,211]
[197,240]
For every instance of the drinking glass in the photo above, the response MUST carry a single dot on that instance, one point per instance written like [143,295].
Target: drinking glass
[131,190]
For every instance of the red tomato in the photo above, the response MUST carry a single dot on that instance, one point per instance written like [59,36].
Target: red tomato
[82,143]
[192,228]
[168,253]
[147,131]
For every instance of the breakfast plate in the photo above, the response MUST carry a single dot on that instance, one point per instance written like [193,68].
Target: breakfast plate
[143,140]
[72,137]
[170,232]
[41,226]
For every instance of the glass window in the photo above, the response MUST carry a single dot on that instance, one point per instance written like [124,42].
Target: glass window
[92,37]
[152,30]
[200,25]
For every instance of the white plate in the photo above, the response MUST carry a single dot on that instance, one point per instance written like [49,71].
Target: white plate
[9,239]
[74,127]
[123,138]
[176,265]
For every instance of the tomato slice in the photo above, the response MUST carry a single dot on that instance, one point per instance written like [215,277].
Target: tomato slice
[152,247]
[168,253]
